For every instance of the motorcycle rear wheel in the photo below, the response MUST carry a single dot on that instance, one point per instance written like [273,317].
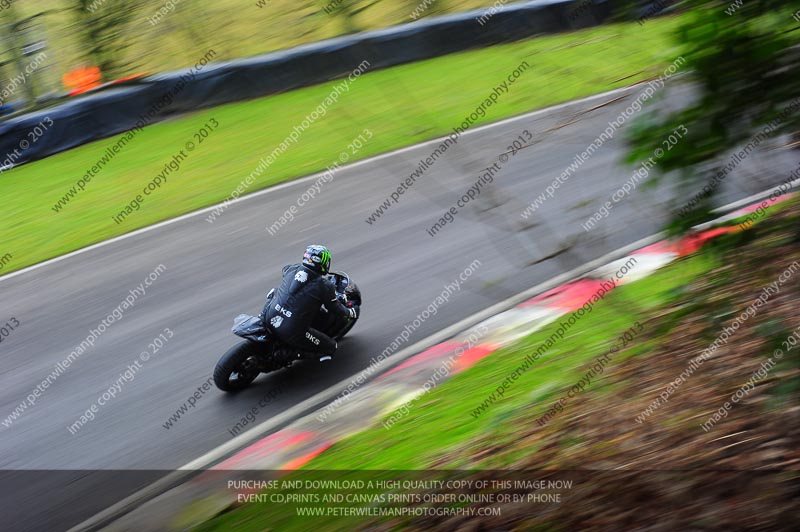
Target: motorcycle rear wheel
[238,367]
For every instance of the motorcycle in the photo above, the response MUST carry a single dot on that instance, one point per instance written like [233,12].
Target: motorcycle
[263,352]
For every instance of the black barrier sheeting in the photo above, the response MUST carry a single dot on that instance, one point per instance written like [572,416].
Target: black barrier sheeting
[116,110]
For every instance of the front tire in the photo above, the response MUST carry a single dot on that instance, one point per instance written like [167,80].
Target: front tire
[237,368]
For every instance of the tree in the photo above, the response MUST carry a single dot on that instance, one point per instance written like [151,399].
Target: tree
[10,23]
[102,30]
[346,11]
[743,58]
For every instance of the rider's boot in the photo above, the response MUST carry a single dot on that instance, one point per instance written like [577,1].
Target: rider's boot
[322,357]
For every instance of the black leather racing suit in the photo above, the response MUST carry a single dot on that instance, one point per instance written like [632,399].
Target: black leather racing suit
[296,303]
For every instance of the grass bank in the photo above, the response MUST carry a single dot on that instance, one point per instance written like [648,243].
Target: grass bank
[399,106]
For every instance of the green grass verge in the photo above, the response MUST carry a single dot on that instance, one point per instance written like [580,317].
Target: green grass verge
[401,106]
[443,419]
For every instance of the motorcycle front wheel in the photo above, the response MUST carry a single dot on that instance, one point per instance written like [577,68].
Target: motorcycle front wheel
[238,367]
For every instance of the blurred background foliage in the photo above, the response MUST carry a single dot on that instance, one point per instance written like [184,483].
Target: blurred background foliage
[744,58]
[117,35]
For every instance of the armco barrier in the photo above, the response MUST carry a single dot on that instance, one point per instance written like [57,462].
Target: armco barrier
[116,110]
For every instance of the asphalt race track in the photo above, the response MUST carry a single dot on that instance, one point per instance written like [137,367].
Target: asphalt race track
[216,271]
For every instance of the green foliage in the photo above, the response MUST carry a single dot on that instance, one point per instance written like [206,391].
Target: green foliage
[102,31]
[745,68]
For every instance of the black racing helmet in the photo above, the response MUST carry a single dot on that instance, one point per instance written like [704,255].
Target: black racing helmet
[318,258]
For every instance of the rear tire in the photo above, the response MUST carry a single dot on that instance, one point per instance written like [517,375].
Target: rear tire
[238,367]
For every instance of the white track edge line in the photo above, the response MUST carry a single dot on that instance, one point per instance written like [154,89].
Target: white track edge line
[302,180]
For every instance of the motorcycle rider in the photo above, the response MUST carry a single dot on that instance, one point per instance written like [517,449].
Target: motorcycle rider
[305,291]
